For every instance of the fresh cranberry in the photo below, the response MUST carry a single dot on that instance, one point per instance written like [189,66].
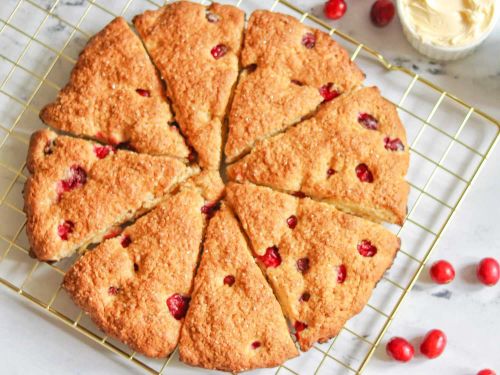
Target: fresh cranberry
[212,17]
[256,344]
[341,274]
[486,371]
[64,229]
[303,265]
[368,121]
[299,327]
[442,272]
[335,9]
[48,149]
[210,208]
[433,344]
[330,172]
[178,305]
[366,249]
[271,258]
[488,271]
[328,92]
[364,174]
[382,12]
[309,40]
[292,222]
[113,291]
[143,92]
[299,194]
[77,178]
[229,280]
[400,349]
[102,151]
[305,297]
[126,241]
[393,144]
[218,51]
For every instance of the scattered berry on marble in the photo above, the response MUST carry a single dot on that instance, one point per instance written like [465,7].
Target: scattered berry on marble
[486,371]
[335,9]
[400,349]
[433,344]
[488,271]
[442,272]
[382,12]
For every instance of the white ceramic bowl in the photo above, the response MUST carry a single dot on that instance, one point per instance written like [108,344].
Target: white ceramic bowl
[443,53]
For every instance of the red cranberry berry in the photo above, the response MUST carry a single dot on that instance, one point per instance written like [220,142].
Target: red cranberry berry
[364,174]
[64,229]
[305,297]
[433,344]
[299,327]
[400,349]
[486,371]
[488,271]
[303,265]
[442,272]
[113,291]
[368,121]
[328,92]
[212,17]
[48,149]
[393,144]
[77,178]
[366,249]
[341,273]
[136,267]
[102,151]
[143,92]
[126,241]
[292,222]
[178,305]
[229,280]
[256,344]
[309,40]
[335,9]
[271,258]
[330,172]
[382,12]
[218,51]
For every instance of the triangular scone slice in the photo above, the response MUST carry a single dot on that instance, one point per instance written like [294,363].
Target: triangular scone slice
[116,95]
[79,189]
[136,287]
[323,264]
[352,153]
[292,69]
[234,322]
[196,50]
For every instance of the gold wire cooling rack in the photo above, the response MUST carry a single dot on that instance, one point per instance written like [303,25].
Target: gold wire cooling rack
[450,141]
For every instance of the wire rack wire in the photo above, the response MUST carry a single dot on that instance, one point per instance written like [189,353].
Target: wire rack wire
[449,143]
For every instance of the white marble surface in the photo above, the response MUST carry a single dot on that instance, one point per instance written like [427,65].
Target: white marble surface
[33,342]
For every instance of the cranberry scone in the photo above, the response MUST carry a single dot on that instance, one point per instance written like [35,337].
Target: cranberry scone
[116,95]
[196,49]
[137,286]
[290,70]
[79,190]
[352,153]
[322,264]
[234,322]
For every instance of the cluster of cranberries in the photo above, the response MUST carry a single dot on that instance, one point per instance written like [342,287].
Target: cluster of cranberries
[381,13]
[434,342]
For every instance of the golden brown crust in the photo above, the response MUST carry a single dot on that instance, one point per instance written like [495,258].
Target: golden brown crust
[114,189]
[299,159]
[224,320]
[327,238]
[285,85]
[208,183]
[100,101]
[199,85]
[158,262]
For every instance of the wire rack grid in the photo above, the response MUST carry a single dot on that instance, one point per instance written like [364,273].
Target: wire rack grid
[449,143]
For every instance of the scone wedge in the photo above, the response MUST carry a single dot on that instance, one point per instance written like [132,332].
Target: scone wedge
[79,190]
[290,70]
[352,153]
[196,49]
[116,95]
[322,264]
[137,286]
[234,322]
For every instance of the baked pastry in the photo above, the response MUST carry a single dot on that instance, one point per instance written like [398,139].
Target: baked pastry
[291,69]
[137,286]
[196,50]
[234,322]
[322,264]
[79,190]
[352,153]
[116,95]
